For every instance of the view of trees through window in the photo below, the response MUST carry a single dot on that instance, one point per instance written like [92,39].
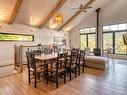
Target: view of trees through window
[107,40]
[16,37]
[91,41]
[113,38]
[83,41]
[88,38]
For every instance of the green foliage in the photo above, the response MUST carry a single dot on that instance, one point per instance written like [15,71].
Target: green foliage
[14,37]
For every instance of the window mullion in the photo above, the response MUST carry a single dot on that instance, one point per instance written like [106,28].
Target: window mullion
[113,43]
[87,40]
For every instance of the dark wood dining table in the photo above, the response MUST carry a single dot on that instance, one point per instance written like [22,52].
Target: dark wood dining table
[46,57]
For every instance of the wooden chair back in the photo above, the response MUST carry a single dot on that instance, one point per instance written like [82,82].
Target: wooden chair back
[31,60]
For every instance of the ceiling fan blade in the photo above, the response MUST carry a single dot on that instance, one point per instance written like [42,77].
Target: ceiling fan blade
[88,7]
[84,11]
[74,8]
[81,8]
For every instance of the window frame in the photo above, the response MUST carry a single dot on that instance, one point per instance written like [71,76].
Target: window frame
[87,35]
[114,38]
[114,24]
[17,40]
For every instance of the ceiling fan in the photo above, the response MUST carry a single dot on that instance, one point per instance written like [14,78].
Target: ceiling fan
[81,8]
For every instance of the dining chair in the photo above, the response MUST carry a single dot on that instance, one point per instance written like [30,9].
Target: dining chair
[35,70]
[72,63]
[47,51]
[58,68]
[109,52]
[82,60]
[37,52]
[75,49]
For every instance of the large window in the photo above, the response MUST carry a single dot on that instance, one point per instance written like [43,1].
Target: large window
[83,42]
[113,38]
[88,38]
[16,37]
[107,40]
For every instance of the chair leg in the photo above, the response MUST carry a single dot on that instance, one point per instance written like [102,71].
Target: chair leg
[29,76]
[56,80]
[64,76]
[75,72]
[51,68]
[47,74]
[70,74]
[35,80]
[83,69]
[78,70]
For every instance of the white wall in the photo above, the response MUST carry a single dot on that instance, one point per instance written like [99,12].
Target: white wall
[74,34]
[43,36]
[112,13]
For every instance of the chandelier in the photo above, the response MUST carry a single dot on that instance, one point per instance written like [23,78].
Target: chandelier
[58,18]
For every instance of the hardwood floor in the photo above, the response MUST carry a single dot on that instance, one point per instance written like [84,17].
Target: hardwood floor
[7,71]
[113,81]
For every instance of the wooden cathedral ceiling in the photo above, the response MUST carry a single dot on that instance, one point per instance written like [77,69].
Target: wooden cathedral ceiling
[76,14]
[15,10]
[40,13]
[6,9]
[55,9]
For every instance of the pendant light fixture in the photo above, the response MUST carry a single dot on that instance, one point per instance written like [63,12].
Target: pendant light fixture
[58,18]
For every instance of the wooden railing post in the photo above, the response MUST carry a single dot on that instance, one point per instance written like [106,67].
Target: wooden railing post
[14,56]
[21,62]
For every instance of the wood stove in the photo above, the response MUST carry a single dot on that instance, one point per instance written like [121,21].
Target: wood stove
[97,51]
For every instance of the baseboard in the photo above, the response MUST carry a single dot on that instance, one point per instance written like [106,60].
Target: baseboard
[3,65]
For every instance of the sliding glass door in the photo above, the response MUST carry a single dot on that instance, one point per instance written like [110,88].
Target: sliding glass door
[91,41]
[120,48]
[107,40]
[83,41]
[88,38]
[113,38]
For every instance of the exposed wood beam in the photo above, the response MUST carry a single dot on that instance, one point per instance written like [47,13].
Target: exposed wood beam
[15,10]
[76,14]
[56,8]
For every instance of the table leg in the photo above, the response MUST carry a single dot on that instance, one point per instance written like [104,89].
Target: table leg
[46,66]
